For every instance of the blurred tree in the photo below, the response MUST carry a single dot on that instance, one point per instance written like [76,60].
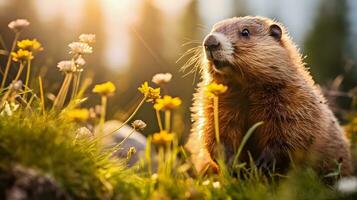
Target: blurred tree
[325,46]
[145,60]
[327,50]
[93,22]
[191,32]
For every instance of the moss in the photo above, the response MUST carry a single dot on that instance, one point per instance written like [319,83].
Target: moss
[47,143]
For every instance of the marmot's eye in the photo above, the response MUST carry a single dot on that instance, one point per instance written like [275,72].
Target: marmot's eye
[245,32]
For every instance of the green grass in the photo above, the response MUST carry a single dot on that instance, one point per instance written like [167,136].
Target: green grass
[85,170]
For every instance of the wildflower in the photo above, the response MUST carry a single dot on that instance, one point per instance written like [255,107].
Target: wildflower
[206,182]
[163,137]
[347,185]
[17,85]
[9,108]
[216,184]
[78,115]
[215,89]
[80,48]
[161,79]
[167,103]
[18,25]
[150,93]
[80,61]
[66,66]
[105,89]
[138,125]
[21,55]
[30,45]
[83,133]
[87,38]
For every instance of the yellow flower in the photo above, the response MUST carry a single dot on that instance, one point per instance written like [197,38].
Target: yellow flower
[78,115]
[21,55]
[167,103]
[215,89]
[105,89]
[30,45]
[150,93]
[163,137]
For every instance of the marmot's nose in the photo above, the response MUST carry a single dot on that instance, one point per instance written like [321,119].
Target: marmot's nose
[211,43]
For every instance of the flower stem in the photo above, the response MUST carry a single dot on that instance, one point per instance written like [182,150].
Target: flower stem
[9,60]
[76,81]
[59,101]
[159,119]
[216,122]
[41,95]
[130,117]
[28,72]
[103,112]
[19,72]
[167,120]
[74,85]
[116,147]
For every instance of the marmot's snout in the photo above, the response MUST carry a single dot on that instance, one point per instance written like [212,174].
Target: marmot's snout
[218,50]
[211,43]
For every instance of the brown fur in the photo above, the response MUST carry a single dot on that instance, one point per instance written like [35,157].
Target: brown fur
[267,82]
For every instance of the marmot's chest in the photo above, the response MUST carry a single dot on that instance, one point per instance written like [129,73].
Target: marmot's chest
[235,118]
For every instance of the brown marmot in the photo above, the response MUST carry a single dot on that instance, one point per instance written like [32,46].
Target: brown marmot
[267,81]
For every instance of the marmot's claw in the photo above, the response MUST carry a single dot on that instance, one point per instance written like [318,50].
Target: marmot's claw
[265,161]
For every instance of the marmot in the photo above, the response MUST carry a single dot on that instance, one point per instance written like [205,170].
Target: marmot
[267,81]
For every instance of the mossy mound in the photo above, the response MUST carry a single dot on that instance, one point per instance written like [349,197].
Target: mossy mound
[46,144]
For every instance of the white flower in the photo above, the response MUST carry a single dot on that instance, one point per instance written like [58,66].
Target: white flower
[66,66]
[138,125]
[80,48]
[17,85]
[83,133]
[80,61]
[18,25]
[216,184]
[347,185]
[162,78]
[8,109]
[87,38]
[206,182]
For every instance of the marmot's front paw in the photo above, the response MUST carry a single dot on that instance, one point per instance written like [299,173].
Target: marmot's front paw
[265,161]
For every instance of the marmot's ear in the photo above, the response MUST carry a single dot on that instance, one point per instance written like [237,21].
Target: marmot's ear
[275,31]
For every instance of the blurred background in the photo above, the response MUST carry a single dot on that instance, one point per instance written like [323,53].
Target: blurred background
[138,38]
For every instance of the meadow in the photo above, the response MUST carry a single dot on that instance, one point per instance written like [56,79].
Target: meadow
[52,148]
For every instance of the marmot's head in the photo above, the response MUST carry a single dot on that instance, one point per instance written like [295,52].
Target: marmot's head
[249,47]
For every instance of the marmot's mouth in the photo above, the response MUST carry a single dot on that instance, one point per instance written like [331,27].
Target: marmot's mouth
[219,64]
